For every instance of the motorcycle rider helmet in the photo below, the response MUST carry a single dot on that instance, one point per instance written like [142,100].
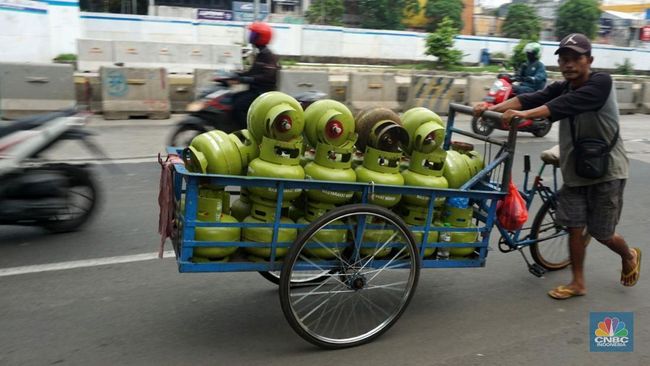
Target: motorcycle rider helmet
[533,51]
[260,33]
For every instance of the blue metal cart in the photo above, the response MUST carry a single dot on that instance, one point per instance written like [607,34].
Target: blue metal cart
[364,284]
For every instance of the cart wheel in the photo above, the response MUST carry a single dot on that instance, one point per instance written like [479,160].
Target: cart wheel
[367,290]
[552,252]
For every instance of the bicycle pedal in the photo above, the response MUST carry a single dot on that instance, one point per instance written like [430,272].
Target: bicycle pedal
[536,270]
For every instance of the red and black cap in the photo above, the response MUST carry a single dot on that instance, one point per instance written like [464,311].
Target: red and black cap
[577,42]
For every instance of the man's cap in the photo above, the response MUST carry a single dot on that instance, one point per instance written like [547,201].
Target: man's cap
[575,41]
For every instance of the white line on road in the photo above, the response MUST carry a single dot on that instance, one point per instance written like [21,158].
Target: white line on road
[14,271]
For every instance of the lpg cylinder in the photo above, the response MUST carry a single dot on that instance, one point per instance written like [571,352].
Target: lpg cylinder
[278,159]
[334,164]
[209,211]
[376,237]
[417,216]
[380,167]
[275,115]
[414,118]
[242,206]
[262,213]
[472,157]
[382,138]
[216,152]
[456,170]
[329,126]
[459,214]
[334,240]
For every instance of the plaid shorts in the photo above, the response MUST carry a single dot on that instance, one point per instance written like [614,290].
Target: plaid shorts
[598,207]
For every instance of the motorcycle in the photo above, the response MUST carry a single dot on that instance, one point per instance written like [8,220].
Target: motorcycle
[59,197]
[502,90]
[213,109]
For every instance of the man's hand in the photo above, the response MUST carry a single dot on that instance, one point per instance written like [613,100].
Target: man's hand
[479,109]
[508,115]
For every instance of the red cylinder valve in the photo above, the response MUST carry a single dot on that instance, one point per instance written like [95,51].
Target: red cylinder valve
[334,129]
[283,123]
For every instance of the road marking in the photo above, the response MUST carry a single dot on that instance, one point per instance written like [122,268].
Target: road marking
[61,266]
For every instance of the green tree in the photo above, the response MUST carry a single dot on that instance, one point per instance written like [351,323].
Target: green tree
[521,22]
[577,16]
[441,42]
[518,55]
[437,10]
[385,14]
[329,12]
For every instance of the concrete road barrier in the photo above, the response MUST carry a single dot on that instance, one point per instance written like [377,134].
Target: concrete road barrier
[477,88]
[367,90]
[181,91]
[645,98]
[93,54]
[625,97]
[436,92]
[128,92]
[27,89]
[88,90]
[294,82]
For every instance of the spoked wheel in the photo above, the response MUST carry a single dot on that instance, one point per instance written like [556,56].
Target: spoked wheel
[480,127]
[81,200]
[552,251]
[184,133]
[370,283]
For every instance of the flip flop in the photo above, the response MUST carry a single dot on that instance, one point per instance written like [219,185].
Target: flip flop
[563,293]
[635,273]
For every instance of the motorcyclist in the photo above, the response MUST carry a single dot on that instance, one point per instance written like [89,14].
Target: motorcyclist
[262,75]
[532,73]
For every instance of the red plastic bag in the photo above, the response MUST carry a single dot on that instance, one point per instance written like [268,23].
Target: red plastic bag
[511,212]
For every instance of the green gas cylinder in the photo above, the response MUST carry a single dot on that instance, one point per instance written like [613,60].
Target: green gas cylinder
[472,157]
[332,163]
[262,213]
[334,240]
[417,216]
[456,170]
[425,170]
[209,211]
[278,159]
[277,116]
[216,152]
[463,237]
[459,214]
[242,206]
[376,237]
[381,167]
[414,119]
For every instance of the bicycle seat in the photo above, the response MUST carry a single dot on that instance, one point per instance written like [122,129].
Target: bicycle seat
[551,156]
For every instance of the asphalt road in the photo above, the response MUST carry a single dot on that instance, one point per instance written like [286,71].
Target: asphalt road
[145,313]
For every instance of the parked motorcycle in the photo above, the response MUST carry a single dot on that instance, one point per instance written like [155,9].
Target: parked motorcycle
[213,109]
[59,197]
[502,90]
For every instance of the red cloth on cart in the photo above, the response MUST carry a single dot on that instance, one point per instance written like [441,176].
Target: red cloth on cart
[166,199]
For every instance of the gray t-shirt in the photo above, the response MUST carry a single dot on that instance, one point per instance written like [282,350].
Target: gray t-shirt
[595,112]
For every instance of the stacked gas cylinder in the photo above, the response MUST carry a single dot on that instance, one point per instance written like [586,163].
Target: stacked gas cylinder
[325,142]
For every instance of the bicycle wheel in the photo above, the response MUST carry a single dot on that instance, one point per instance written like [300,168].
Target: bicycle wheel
[552,250]
[370,289]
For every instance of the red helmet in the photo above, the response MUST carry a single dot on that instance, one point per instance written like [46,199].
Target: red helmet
[260,33]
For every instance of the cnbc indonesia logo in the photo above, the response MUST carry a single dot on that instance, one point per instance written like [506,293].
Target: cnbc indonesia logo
[611,333]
